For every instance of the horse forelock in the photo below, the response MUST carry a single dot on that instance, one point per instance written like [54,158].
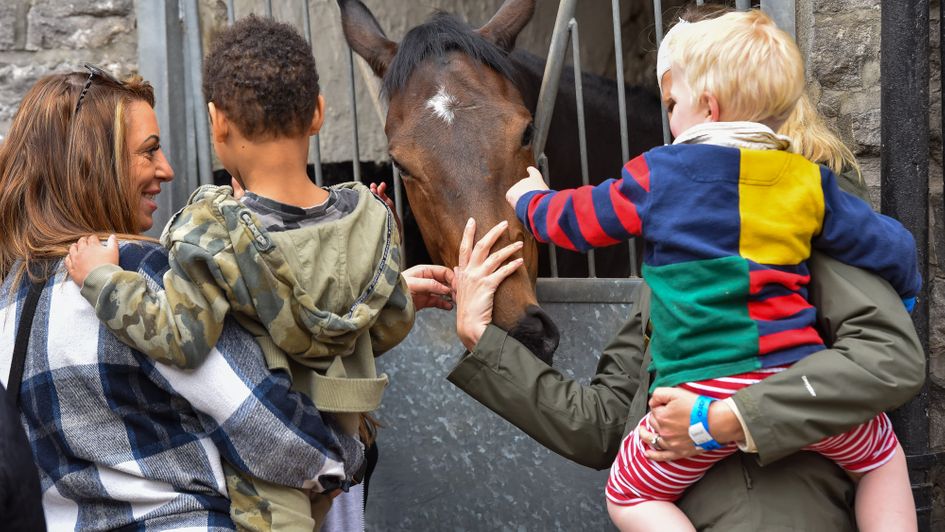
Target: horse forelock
[442,34]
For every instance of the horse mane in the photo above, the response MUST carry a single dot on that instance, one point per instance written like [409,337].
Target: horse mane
[441,34]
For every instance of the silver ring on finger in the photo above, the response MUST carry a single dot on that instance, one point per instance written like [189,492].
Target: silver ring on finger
[655,442]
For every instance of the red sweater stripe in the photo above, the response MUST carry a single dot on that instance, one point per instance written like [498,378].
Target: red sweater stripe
[785,339]
[758,279]
[556,234]
[640,172]
[625,210]
[778,307]
[589,226]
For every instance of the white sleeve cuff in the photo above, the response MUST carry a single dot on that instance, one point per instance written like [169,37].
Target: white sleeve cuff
[748,445]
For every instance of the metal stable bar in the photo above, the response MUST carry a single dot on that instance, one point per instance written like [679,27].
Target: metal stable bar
[597,291]
[194,53]
[658,22]
[314,141]
[621,93]
[269,8]
[550,81]
[356,161]
[542,162]
[622,110]
[783,13]
[582,132]
[398,195]
[161,42]
[552,76]
[230,12]
[904,108]
[743,5]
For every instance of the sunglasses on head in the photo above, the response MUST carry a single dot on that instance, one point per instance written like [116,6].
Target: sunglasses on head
[94,71]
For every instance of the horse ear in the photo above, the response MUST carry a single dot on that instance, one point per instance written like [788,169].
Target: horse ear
[365,36]
[508,21]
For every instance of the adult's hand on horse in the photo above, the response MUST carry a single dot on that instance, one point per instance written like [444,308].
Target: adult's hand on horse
[533,182]
[429,286]
[475,280]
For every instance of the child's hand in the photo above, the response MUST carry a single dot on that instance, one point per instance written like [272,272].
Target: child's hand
[534,181]
[381,192]
[89,253]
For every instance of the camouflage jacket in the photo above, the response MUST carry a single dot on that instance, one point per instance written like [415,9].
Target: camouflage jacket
[327,297]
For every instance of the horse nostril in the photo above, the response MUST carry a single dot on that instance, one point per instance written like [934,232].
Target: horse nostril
[538,332]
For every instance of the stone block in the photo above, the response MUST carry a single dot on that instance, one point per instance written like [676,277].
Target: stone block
[8,22]
[845,6]
[830,103]
[91,8]
[840,47]
[15,80]
[866,128]
[77,32]
[83,24]
[937,319]
[870,169]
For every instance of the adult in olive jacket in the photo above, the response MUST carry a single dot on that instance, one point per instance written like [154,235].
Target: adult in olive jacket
[875,363]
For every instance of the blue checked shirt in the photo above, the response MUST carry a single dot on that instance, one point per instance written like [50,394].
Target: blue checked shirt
[120,440]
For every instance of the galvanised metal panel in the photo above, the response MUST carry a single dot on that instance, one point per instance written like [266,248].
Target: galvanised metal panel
[448,463]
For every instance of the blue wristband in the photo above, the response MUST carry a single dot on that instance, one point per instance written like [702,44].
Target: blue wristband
[699,425]
[909,302]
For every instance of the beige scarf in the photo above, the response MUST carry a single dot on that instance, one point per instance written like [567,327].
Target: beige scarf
[747,135]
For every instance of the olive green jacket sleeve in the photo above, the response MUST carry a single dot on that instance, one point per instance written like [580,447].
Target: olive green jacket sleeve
[585,424]
[876,363]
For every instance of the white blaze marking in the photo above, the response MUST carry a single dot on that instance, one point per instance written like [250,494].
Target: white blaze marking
[809,387]
[442,105]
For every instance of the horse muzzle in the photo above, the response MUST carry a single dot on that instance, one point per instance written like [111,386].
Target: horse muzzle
[538,332]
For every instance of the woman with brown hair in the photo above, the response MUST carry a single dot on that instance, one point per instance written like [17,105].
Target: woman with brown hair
[118,439]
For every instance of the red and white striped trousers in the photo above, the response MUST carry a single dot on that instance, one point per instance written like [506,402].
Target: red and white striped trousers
[634,478]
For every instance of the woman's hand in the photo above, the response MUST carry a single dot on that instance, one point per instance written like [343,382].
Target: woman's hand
[89,253]
[476,279]
[670,411]
[429,286]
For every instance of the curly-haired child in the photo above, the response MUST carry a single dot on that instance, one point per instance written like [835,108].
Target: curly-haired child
[312,272]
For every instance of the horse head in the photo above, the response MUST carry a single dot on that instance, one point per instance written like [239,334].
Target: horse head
[460,134]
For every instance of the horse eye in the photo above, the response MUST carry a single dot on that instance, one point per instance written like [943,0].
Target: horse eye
[399,167]
[528,134]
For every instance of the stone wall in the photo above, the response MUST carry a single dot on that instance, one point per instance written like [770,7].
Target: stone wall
[841,40]
[38,37]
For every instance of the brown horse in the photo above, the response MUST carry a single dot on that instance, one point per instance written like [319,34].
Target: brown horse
[460,134]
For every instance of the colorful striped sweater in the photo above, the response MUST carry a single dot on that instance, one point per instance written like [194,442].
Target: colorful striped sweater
[727,234]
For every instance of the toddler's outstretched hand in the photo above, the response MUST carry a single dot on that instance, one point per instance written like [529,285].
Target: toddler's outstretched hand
[533,182]
[89,253]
